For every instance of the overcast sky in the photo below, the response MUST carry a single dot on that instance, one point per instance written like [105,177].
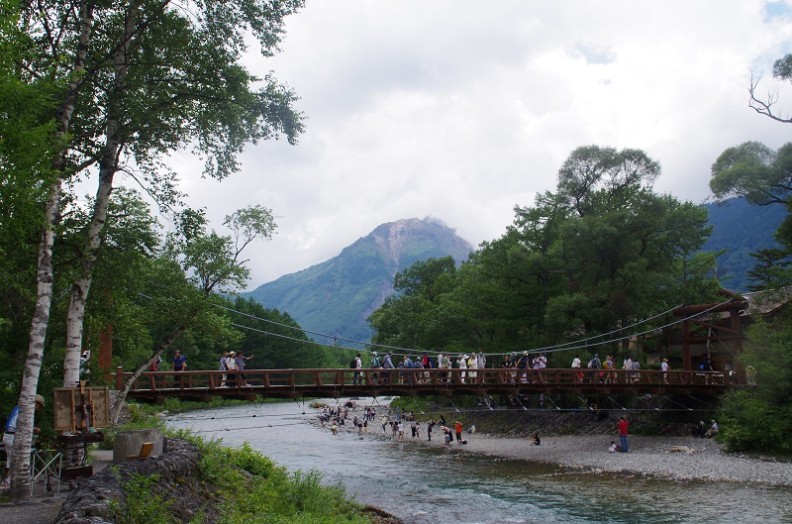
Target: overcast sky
[461,109]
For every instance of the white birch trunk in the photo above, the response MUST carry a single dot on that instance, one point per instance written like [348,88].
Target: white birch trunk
[108,166]
[23,438]
[79,295]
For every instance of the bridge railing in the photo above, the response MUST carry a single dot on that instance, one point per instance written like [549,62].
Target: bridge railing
[412,378]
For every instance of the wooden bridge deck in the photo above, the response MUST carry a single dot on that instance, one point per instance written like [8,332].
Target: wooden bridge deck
[334,383]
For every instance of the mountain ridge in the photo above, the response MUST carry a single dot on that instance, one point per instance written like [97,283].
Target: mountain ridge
[356,282]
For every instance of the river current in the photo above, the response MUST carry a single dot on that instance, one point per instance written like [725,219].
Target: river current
[423,484]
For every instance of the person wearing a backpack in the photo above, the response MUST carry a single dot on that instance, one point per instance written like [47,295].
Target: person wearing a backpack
[596,363]
[523,365]
[387,364]
[375,364]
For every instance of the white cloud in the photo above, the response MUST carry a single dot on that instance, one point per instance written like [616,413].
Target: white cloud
[460,110]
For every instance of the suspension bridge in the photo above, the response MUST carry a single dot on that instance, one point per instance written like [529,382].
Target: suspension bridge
[155,386]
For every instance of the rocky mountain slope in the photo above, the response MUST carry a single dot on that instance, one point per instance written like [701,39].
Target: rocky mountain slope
[337,296]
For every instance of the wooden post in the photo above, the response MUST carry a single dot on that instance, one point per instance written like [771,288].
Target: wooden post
[687,362]
[106,353]
[119,382]
[736,327]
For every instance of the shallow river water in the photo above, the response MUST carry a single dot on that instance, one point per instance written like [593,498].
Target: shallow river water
[423,484]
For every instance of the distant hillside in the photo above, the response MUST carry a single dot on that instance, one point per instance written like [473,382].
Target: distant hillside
[739,229]
[337,296]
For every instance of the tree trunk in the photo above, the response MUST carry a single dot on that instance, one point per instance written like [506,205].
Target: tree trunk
[107,168]
[115,411]
[23,440]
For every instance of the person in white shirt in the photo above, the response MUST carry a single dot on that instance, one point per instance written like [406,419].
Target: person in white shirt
[576,365]
[713,430]
[664,369]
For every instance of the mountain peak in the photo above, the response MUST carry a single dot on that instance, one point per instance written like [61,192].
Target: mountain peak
[336,297]
[393,238]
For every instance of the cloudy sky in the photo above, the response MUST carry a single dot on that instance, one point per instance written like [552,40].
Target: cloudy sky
[462,109]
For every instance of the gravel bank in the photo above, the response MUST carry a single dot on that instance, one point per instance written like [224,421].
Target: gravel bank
[668,457]
[677,458]
[680,458]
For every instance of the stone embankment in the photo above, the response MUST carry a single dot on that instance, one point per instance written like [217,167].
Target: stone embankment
[97,499]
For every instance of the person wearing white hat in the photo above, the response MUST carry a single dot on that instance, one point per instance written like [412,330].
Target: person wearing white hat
[9,430]
[462,362]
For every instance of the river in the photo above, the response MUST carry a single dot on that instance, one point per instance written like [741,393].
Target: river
[423,484]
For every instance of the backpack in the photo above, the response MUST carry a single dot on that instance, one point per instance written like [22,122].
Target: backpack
[375,362]
[353,364]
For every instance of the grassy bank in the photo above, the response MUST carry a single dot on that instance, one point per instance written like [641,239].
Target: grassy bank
[237,485]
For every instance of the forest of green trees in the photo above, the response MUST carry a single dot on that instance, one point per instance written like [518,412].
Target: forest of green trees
[104,92]
[599,253]
[603,252]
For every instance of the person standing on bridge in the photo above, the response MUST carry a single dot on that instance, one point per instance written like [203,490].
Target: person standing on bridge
[595,363]
[231,367]
[627,366]
[472,363]
[462,363]
[576,365]
[426,363]
[610,377]
[223,368]
[357,365]
[387,365]
[623,426]
[179,364]
[664,369]
[540,363]
[440,377]
[375,364]
[241,363]
[636,376]
[523,365]
[481,360]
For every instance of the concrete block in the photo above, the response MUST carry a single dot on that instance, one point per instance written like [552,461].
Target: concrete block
[128,442]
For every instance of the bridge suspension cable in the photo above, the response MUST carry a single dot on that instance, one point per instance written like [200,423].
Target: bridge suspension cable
[554,349]
[566,346]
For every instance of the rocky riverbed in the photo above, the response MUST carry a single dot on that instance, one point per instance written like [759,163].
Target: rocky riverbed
[677,458]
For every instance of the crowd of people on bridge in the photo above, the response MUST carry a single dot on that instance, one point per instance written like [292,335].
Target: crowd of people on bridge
[407,369]
[519,368]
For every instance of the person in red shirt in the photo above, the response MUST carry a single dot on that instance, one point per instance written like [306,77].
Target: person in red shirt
[623,427]
[458,431]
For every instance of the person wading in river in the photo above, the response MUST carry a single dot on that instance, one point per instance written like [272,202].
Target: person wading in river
[623,427]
